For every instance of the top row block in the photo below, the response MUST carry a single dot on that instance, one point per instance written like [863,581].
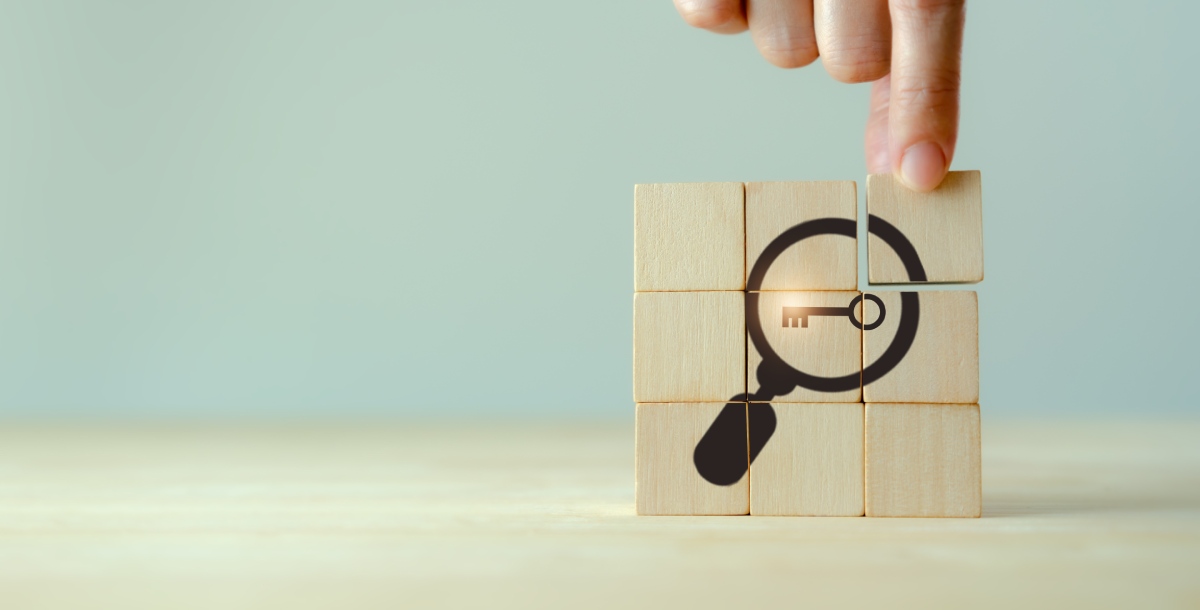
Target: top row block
[689,236]
[945,226]
[709,236]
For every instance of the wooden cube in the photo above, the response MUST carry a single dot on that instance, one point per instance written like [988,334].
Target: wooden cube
[812,333]
[688,346]
[813,464]
[922,460]
[942,363]
[689,236]
[667,480]
[945,227]
[821,262]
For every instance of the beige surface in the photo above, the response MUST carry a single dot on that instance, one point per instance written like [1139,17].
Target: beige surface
[943,363]
[689,236]
[922,460]
[831,346]
[666,479]
[688,346]
[813,465]
[1075,514]
[945,226]
[824,262]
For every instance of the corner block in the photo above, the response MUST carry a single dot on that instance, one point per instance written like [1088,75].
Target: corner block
[667,480]
[923,460]
[689,236]
[945,227]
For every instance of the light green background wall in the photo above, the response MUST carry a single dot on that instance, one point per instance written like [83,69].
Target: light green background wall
[356,207]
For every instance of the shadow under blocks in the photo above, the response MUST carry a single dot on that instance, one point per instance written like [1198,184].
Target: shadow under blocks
[766,383]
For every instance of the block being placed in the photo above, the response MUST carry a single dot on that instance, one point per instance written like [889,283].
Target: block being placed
[688,346]
[667,479]
[922,460]
[813,464]
[945,227]
[941,364]
[827,261]
[689,236]
[810,333]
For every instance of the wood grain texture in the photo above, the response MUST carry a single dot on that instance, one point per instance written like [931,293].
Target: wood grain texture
[813,465]
[943,363]
[923,460]
[945,226]
[689,236]
[688,346]
[831,346]
[826,262]
[667,482]
[1097,511]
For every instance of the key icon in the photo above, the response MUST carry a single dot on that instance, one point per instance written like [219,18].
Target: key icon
[792,315]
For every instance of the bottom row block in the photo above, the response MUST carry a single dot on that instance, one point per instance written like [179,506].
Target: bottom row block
[923,461]
[668,482]
[818,469]
[808,459]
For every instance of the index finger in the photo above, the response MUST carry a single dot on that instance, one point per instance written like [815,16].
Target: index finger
[926,71]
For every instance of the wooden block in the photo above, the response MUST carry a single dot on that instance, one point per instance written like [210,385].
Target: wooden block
[813,464]
[812,333]
[668,482]
[942,364]
[945,226]
[688,346]
[822,262]
[923,460]
[689,236]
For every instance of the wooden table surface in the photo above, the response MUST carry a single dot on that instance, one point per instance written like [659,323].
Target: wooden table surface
[392,515]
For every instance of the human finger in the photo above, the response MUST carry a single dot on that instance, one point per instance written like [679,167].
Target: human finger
[720,16]
[879,156]
[783,31]
[926,71]
[854,38]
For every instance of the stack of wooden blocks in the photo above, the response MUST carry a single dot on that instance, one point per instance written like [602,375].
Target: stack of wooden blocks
[738,286]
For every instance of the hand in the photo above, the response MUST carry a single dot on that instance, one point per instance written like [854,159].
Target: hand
[913,121]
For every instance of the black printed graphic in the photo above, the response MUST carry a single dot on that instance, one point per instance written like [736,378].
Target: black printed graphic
[722,456]
[792,314]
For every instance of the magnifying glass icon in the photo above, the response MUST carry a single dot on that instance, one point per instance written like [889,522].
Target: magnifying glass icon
[720,455]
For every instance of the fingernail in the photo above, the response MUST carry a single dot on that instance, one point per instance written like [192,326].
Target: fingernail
[923,166]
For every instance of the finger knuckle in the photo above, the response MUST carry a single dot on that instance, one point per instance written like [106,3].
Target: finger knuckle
[857,63]
[935,91]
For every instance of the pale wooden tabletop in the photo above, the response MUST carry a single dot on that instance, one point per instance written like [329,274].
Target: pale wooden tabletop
[1076,514]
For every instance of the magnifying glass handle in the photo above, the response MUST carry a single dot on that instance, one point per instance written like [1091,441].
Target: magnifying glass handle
[721,455]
